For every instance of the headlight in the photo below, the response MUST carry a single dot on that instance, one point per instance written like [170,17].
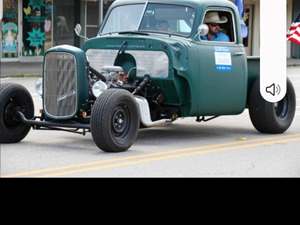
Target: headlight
[39,87]
[98,88]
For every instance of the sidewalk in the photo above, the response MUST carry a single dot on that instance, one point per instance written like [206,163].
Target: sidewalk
[293,62]
[17,69]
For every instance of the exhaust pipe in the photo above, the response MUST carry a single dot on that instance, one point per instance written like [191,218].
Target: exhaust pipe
[145,113]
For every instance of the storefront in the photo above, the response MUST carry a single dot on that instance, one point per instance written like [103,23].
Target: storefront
[30,27]
[31,38]
[252,20]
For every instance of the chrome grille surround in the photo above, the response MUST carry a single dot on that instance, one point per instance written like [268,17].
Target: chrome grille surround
[60,85]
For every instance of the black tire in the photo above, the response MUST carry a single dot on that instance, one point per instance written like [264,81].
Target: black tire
[13,98]
[272,118]
[115,121]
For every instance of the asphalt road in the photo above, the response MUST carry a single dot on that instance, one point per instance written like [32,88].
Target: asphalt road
[226,147]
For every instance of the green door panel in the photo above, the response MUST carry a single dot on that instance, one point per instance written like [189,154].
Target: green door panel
[219,83]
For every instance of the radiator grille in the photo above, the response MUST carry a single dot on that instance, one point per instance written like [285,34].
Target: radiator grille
[60,85]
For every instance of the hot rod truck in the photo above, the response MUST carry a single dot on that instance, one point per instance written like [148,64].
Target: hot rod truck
[150,63]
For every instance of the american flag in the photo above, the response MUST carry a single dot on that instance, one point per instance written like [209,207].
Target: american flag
[294,31]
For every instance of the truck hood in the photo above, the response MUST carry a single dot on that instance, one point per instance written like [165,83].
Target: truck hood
[175,47]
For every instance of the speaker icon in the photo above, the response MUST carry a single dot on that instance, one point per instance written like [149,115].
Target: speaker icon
[273,89]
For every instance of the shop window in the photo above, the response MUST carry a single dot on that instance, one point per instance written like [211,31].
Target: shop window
[37,27]
[92,23]
[66,16]
[9,31]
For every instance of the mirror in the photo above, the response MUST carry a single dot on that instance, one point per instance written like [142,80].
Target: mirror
[203,30]
[78,30]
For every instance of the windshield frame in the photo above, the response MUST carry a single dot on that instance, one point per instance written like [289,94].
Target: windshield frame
[142,17]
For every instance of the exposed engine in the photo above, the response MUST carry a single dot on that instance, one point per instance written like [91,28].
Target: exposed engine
[110,77]
[116,77]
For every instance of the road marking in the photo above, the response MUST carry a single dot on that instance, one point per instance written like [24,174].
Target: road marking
[147,158]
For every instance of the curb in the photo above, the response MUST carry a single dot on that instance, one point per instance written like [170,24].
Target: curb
[294,65]
[21,76]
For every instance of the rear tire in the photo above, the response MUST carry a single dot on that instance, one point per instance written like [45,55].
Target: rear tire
[115,120]
[13,98]
[272,118]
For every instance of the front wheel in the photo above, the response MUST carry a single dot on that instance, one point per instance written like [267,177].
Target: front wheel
[115,120]
[14,98]
[272,118]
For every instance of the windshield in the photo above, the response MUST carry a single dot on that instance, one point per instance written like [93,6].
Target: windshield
[158,18]
[124,18]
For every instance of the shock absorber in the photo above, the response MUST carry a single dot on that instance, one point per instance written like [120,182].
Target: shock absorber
[142,85]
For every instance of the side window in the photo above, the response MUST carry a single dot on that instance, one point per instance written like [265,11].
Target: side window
[221,26]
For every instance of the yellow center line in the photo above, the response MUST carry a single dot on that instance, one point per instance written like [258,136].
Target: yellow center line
[171,155]
[168,154]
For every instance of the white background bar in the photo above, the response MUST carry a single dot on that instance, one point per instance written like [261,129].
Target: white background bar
[273,47]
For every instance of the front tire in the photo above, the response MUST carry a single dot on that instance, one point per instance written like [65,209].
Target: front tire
[272,118]
[13,98]
[115,120]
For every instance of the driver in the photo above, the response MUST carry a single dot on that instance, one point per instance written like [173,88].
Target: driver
[213,21]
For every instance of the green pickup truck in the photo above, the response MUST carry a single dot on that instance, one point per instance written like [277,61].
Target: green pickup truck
[152,62]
